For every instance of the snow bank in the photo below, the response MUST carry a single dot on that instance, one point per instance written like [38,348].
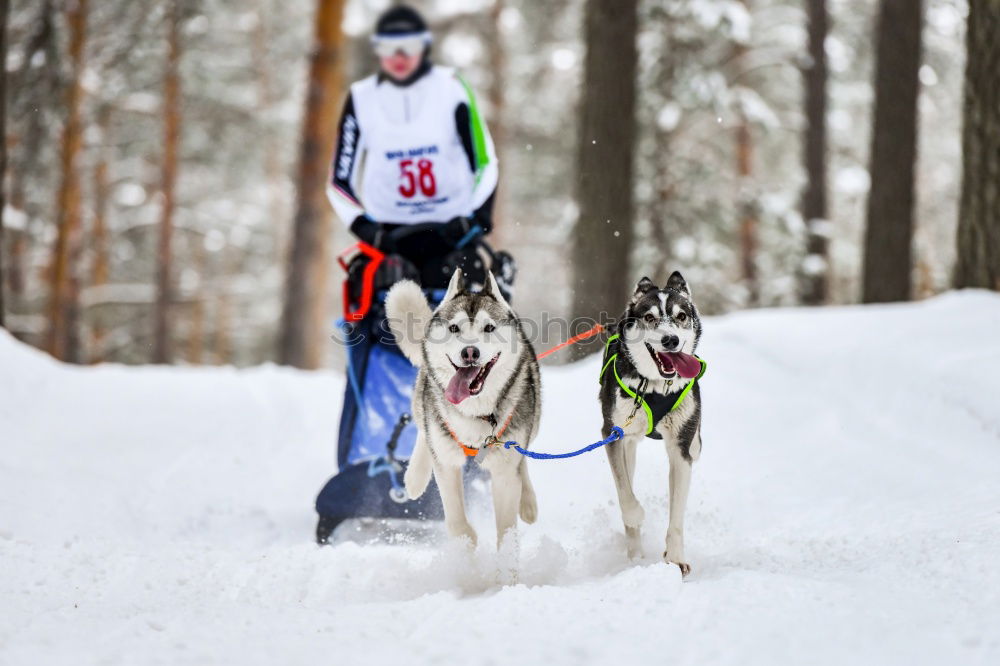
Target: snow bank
[846,509]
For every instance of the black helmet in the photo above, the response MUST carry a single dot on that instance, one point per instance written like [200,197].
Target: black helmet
[400,20]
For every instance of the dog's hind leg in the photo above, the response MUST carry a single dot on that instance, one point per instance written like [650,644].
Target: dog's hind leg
[680,484]
[529,503]
[621,455]
[449,480]
[418,472]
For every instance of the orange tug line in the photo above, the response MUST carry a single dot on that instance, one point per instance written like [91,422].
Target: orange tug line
[597,328]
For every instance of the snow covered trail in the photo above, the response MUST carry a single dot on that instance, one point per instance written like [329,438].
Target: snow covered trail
[846,509]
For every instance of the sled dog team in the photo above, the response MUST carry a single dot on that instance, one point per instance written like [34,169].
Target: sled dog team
[479,382]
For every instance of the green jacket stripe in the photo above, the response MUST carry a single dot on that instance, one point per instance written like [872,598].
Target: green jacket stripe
[478,130]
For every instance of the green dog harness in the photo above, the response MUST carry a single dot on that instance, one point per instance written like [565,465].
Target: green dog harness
[655,405]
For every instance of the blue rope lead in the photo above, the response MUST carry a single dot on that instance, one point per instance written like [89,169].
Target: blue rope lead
[616,433]
[384,464]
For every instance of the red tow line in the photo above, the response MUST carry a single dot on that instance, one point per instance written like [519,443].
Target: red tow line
[367,280]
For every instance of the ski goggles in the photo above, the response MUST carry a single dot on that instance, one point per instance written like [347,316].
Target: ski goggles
[412,44]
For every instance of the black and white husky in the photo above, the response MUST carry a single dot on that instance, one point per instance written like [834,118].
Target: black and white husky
[478,382]
[649,388]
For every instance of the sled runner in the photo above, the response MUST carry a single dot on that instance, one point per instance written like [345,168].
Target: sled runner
[376,436]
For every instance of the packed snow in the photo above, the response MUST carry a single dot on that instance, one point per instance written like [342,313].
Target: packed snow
[846,509]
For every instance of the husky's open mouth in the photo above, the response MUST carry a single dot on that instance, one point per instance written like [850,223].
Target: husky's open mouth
[671,364]
[468,380]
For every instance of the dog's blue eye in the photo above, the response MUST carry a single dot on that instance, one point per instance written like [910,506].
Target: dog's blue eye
[489,328]
[453,328]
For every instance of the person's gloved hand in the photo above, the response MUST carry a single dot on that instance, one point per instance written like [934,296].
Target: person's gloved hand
[373,233]
[455,229]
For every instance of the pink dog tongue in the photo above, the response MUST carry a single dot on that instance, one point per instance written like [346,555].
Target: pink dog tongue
[687,366]
[458,388]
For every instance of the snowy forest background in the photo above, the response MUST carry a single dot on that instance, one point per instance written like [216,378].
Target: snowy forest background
[116,248]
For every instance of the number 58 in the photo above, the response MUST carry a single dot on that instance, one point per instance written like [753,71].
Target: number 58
[422,176]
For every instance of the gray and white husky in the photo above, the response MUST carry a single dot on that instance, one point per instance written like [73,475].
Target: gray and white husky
[478,380]
[647,370]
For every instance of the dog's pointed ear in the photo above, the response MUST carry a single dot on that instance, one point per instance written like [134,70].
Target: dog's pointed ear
[456,286]
[678,283]
[492,289]
[642,287]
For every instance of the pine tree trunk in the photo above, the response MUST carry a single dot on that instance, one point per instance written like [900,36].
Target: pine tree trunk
[497,124]
[747,210]
[222,347]
[17,243]
[659,220]
[196,335]
[602,238]
[4,7]
[816,271]
[99,234]
[162,351]
[746,202]
[68,200]
[978,262]
[662,227]
[303,323]
[888,261]
[36,134]
[266,99]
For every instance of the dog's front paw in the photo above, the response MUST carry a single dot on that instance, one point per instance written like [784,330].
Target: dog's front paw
[633,515]
[684,566]
[463,531]
[633,544]
[413,491]
[529,508]
[415,483]
[675,551]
